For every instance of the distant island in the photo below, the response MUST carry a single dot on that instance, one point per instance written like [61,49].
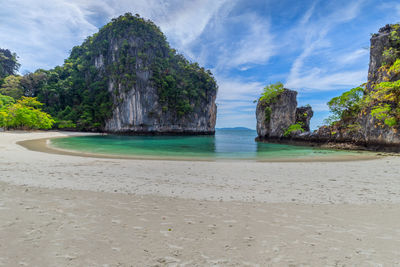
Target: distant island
[123,79]
[236,128]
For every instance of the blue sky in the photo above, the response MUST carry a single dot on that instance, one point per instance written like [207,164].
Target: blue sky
[319,48]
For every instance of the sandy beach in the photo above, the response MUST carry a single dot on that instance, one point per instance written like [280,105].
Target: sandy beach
[68,210]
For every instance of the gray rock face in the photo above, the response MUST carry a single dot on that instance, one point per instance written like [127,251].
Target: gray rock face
[138,111]
[137,107]
[304,115]
[379,42]
[371,132]
[283,113]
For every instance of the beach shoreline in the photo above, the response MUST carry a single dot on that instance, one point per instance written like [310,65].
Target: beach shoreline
[44,145]
[63,210]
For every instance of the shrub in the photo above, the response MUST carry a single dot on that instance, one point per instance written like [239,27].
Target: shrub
[24,114]
[395,67]
[271,92]
[384,113]
[348,104]
[267,113]
[294,128]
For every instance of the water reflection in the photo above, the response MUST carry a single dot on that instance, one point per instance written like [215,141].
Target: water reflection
[238,143]
[230,144]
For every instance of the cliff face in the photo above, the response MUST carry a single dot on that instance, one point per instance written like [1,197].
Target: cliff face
[139,111]
[384,51]
[138,106]
[275,117]
[155,97]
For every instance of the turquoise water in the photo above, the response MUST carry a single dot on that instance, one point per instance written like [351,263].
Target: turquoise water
[226,144]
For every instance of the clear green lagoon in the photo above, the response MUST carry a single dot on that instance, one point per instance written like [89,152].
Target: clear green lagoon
[226,144]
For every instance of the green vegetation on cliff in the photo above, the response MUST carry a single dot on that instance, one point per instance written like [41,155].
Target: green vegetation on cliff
[271,92]
[391,53]
[269,95]
[297,127]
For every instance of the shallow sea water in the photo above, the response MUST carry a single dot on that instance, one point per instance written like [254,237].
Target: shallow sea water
[226,144]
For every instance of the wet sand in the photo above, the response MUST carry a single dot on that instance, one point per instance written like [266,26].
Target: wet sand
[63,210]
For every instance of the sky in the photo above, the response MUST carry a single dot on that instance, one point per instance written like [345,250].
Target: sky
[318,48]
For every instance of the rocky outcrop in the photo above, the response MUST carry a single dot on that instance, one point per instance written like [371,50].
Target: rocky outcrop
[363,130]
[303,116]
[275,118]
[156,98]
[381,45]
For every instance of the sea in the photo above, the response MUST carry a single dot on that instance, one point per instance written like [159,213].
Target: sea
[227,143]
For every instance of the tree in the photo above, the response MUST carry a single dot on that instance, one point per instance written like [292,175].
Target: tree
[8,63]
[12,87]
[346,105]
[33,82]
[24,114]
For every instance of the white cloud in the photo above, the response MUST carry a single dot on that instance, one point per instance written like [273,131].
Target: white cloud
[234,89]
[187,21]
[315,40]
[42,34]
[319,80]
[352,57]
[236,102]
[255,48]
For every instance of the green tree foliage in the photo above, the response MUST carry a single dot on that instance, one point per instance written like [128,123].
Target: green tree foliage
[346,106]
[25,113]
[271,92]
[181,84]
[384,101]
[391,53]
[12,87]
[5,101]
[33,82]
[8,63]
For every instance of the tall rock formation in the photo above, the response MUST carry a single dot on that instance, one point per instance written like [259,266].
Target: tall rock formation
[127,79]
[275,117]
[166,93]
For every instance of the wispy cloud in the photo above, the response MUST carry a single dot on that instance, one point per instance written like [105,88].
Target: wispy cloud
[317,79]
[315,39]
[236,100]
[236,89]
[352,57]
[42,34]
[255,47]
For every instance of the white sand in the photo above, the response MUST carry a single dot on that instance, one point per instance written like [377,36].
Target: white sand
[219,213]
